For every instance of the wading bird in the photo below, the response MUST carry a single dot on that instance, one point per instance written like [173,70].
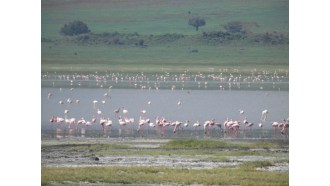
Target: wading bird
[264,115]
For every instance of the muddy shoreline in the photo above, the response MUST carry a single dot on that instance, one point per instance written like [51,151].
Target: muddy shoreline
[139,152]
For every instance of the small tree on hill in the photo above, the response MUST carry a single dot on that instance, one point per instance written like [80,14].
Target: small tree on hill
[196,22]
[74,28]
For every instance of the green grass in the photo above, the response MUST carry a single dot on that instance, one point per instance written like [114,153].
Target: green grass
[161,58]
[244,175]
[193,143]
[148,17]
[159,17]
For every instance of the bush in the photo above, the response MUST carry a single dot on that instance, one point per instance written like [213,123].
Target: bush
[74,28]
[234,27]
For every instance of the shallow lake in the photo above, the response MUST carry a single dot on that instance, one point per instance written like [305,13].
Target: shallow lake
[195,105]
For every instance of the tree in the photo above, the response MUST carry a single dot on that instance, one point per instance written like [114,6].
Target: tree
[74,28]
[196,22]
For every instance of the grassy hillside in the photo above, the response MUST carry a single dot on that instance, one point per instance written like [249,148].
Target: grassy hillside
[155,18]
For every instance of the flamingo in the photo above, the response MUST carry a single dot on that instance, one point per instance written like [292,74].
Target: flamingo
[125,111]
[116,111]
[285,128]
[275,124]
[176,124]
[160,123]
[264,115]
[241,112]
[94,103]
[235,128]
[142,122]
[246,123]
[81,121]
[122,123]
[102,123]
[207,126]
[56,120]
[94,119]
[70,121]
[196,125]
[231,127]
[109,122]
[129,121]
[186,124]
[49,95]
[99,112]
[143,112]
[88,123]
[69,100]
[179,104]
[152,125]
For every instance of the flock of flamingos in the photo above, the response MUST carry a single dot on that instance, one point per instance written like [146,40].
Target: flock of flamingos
[229,127]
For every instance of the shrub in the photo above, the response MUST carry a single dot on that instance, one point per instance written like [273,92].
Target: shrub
[74,28]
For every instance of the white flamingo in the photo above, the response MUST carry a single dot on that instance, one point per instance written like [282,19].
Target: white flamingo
[125,111]
[70,122]
[99,112]
[49,95]
[179,103]
[196,125]
[142,122]
[264,115]
[88,123]
[102,123]
[94,103]
[176,125]
[241,112]
[186,124]
[69,100]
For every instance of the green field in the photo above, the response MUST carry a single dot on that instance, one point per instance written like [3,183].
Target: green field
[151,21]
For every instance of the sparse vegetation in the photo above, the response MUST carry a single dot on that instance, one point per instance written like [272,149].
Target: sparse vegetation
[163,175]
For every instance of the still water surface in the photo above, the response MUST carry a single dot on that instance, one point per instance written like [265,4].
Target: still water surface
[195,105]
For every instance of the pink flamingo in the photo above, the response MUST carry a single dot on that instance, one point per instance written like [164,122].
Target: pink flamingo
[285,128]
[142,122]
[207,126]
